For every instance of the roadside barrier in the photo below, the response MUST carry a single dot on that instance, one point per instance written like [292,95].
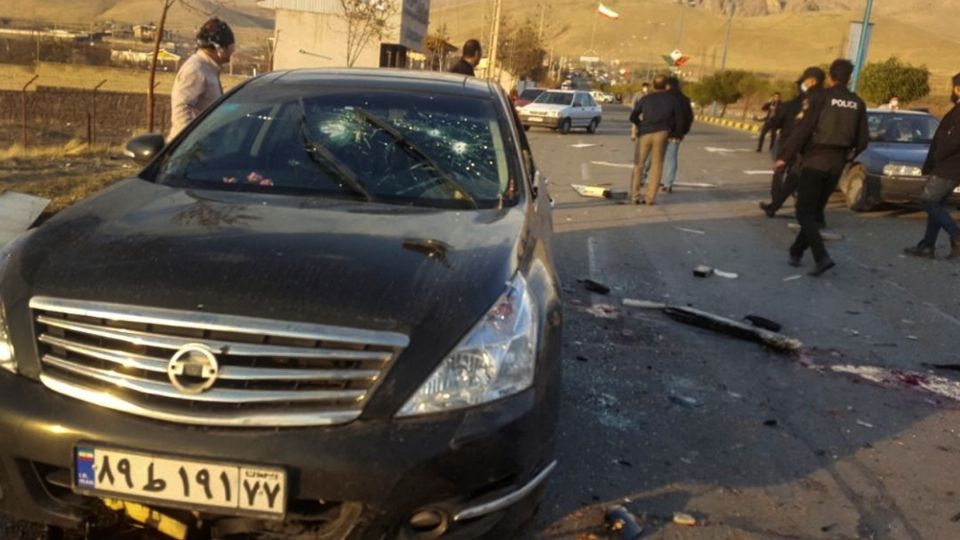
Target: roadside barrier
[735,124]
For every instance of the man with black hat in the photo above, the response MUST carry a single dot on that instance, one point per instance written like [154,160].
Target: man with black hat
[197,84]
[943,170]
[831,132]
[784,183]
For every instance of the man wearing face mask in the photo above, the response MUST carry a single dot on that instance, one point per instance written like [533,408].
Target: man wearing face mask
[832,131]
[943,170]
[197,84]
[784,183]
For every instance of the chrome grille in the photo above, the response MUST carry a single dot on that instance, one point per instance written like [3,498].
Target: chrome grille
[270,373]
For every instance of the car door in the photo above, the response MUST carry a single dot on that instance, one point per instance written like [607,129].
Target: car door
[579,110]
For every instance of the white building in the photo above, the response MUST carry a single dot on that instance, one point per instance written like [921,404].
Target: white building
[313,33]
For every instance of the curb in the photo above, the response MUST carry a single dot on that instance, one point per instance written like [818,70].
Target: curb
[742,126]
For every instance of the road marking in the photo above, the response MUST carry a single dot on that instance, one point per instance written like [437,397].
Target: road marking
[609,164]
[758,172]
[692,231]
[694,185]
[718,150]
[585,172]
[582,145]
[592,258]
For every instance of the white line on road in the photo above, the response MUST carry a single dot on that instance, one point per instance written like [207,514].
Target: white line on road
[694,185]
[719,150]
[757,172]
[585,172]
[692,231]
[582,145]
[609,164]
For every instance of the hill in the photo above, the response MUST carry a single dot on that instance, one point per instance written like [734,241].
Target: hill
[804,32]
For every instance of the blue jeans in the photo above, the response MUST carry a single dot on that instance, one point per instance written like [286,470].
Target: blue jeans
[936,192]
[670,164]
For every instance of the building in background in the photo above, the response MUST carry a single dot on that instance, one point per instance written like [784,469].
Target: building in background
[312,33]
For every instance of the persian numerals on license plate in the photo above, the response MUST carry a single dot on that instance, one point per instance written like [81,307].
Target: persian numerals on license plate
[245,489]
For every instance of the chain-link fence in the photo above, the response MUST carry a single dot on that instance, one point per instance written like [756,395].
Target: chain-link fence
[50,116]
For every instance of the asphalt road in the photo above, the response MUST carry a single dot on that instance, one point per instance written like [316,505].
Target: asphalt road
[665,417]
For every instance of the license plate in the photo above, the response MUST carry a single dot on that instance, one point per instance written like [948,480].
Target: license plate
[185,483]
[535,119]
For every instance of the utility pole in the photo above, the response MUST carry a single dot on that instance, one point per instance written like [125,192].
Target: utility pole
[861,48]
[495,45]
[726,37]
[543,8]
[683,13]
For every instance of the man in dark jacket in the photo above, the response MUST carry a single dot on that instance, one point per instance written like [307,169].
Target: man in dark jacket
[655,116]
[784,183]
[771,109]
[684,122]
[943,168]
[469,58]
[831,132]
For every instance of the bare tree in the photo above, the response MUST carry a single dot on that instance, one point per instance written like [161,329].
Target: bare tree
[166,5]
[367,20]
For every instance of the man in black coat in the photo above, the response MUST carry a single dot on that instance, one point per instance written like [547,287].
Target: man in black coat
[472,53]
[784,183]
[683,125]
[943,168]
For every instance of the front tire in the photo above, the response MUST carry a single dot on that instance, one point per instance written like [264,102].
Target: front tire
[592,128]
[565,126]
[856,189]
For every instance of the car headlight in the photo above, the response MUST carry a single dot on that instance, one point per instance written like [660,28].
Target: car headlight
[901,169]
[7,361]
[496,359]
[553,114]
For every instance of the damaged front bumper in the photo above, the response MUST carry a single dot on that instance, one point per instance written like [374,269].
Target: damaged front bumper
[458,475]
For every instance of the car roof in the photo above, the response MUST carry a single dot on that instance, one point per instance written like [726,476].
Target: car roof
[382,79]
[900,111]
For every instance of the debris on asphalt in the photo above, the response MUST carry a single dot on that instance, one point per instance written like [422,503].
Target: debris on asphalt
[913,338]
[581,358]
[946,367]
[792,278]
[771,423]
[727,275]
[623,462]
[702,270]
[604,311]
[684,401]
[733,328]
[763,322]
[686,520]
[694,185]
[621,522]
[594,286]
[598,191]
[867,425]
[643,304]
[691,231]
[934,384]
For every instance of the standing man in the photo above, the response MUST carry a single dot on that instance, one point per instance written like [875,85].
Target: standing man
[644,90]
[835,125]
[656,118]
[469,58]
[197,84]
[771,109]
[943,168]
[683,125]
[784,183]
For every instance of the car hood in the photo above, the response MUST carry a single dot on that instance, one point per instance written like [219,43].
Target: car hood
[899,153]
[323,260]
[545,107]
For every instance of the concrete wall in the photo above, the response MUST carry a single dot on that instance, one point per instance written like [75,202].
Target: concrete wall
[317,34]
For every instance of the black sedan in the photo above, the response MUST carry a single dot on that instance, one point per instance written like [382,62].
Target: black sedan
[326,310]
[889,170]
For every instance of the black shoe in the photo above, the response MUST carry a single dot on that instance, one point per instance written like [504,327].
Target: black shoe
[921,250]
[768,209]
[822,267]
[795,260]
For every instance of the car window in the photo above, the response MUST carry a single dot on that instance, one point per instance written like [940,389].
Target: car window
[902,128]
[530,94]
[555,98]
[400,147]
[578,101]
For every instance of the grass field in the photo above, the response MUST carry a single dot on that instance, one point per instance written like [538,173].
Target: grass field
[13,77]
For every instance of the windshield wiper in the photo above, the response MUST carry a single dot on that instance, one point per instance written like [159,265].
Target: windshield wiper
[411,148]
[329,162]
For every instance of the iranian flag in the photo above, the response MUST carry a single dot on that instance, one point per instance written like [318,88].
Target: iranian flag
[604,10]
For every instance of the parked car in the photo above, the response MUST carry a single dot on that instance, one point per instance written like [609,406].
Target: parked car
[326,310]
[528,96]
[563,110]
[602,97]
[889,170]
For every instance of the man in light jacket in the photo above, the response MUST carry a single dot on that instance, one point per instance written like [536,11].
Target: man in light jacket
[197,84]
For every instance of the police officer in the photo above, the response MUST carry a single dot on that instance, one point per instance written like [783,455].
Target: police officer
[784,183]
[832,131]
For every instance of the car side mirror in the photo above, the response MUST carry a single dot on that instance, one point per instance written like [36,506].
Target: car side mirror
[144,148]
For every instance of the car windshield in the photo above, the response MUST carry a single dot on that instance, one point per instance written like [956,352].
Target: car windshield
[902,128]
[531,94]
[555,98]
[388,146]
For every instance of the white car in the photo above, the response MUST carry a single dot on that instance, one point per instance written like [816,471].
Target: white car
[563,110]
[602,97]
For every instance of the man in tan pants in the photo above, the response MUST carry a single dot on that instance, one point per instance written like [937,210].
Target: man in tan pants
[655,116]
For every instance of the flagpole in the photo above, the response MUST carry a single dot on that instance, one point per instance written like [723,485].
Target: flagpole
[593,33]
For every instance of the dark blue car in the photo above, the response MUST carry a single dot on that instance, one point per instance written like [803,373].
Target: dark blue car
[889,170]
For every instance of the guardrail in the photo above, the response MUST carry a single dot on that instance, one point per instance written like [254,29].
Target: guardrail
[750,127]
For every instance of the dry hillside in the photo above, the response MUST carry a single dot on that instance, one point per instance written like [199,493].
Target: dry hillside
[919,31]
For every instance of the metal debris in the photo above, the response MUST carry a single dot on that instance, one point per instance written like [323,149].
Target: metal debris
[684,519]
[621,522]
[594,286]
[702,270]
[643,304]
[726,275]
[733,328]
[598,192]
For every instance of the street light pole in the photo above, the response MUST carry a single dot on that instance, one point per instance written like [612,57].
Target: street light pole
[495,45]
[726,37]
[861,48]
